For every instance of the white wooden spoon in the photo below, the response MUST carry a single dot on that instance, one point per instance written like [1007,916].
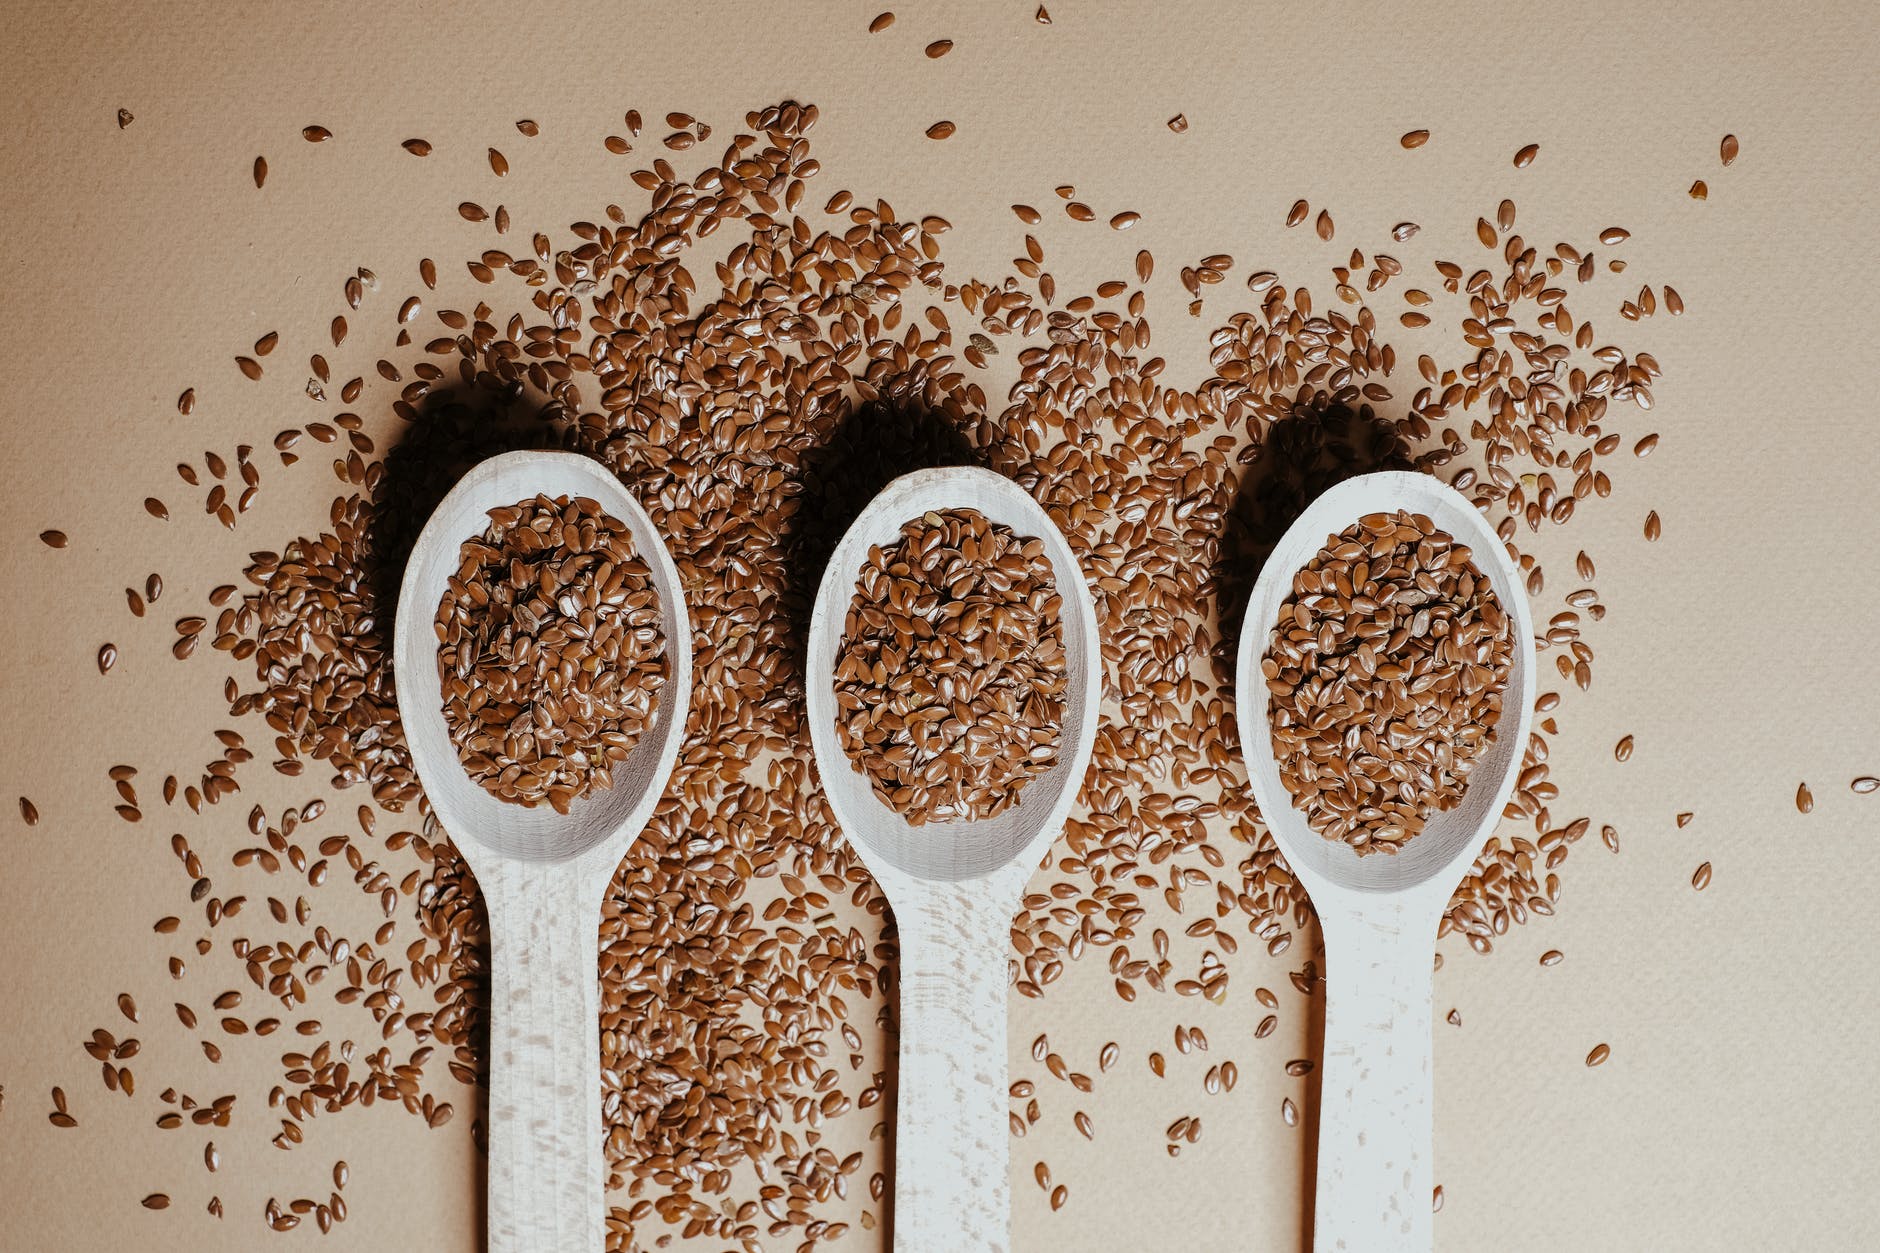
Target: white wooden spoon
[542,874]
[954,886]
[1379,913]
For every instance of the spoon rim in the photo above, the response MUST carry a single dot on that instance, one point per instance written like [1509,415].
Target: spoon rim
[1331,870]
[601,818]
[901,501]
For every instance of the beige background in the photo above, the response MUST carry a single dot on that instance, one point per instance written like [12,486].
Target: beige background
[1738,1108]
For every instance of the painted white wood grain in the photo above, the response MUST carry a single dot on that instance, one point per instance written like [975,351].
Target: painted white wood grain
[1380,913]
[542,875]
[953,886]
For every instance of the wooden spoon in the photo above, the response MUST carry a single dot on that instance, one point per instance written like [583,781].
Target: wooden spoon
[542,874]
[1379,913]
[954,886]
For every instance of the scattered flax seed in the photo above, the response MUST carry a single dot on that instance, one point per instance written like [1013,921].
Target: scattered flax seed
[1436,1200]
[1727,150]
[1645,446]
[156,1200]
[1123,221]
[882,22]
[1614,235]
[186,402]
[1610,837]
[1700,190]
[528,127]
[417,147]
[1059,1195]
[470,211]
[1178,123]
[266,343]
[1684,819]
[1297,213]
[1865,785]
[107,657]
[1701,879]
[941,130]
[1288,1112]
[315,134]
[1551,957]
[617,145]
[1028,215]
[1622,751]
[125,117]
[1653,527]
[261,171]
[1804,799]
[499,164]
[1598,1055]
[156,509]
[1674,303]
[939,48]
[1042,17]
[1403,231]
[53,539]
[1414,139]
[1323,225]
[249,367]
[29,812]
[1078,211]
[1525,157]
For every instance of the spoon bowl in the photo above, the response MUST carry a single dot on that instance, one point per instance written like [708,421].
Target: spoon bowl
[1379,913]
[954,886]
[542,874]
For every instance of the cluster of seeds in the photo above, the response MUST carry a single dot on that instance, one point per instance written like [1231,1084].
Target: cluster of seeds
[549,651]
[950,674]
[1386,669]
[756,392]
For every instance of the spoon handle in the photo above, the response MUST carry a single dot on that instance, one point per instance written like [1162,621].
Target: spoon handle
[546,1170]
[1374,1176]
[951,1138]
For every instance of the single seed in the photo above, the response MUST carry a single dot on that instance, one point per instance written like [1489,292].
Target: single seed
[1727,150]
[1653,528]
[1551,957]
[124,118]
[1414,139]
[1525,157]
[941,130]
[417,147]
[1623,749]
[1700,190]
[156,1200]
[1178,123]
[315,134]
[261,171]
[939,48]
[1599,1053]
[882,22]
[1123,221]
[1804,799]
[1865,784]
[107,657]
[1701,879]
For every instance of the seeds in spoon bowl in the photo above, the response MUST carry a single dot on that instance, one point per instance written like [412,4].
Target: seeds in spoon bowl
[950,676]
[549,651]
[1386,669]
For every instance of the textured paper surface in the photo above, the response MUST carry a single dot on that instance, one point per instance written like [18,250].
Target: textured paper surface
[1737,1110]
